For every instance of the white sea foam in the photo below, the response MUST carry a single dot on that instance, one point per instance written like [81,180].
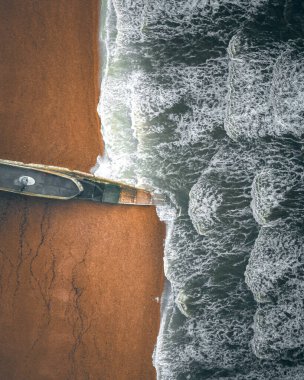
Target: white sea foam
[266,88]
[275,276]
[221,196]
[274,193]
[170,96]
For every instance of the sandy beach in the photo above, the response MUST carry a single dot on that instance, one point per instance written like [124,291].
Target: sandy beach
[79,282]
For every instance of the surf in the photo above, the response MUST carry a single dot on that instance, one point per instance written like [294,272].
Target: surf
[201,103]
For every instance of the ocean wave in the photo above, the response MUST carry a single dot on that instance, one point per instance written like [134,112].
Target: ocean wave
[266,88]
[277,196]
[275,276]
[202,101]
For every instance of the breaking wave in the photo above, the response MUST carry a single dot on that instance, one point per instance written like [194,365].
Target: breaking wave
[203,101]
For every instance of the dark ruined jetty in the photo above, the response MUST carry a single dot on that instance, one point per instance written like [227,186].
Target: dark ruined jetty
[61,183]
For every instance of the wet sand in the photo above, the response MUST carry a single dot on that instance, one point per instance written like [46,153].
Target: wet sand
[78,281]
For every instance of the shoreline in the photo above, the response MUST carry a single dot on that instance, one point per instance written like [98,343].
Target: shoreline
[78,281]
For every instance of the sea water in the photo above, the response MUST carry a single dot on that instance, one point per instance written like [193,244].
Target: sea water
[203,101]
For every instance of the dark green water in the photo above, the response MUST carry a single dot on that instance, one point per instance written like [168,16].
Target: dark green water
[204,101]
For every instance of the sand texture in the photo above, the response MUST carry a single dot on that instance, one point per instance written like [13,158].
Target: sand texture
[78,281]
